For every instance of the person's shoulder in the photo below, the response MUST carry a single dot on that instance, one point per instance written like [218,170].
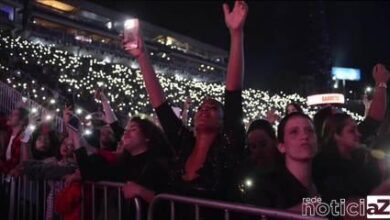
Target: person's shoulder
[266,179]
[326,159]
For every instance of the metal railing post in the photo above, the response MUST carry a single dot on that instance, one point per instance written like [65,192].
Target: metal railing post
[118,186]
[105,203]
[11,212]
[227,214]
[19,196]
[93,201]
[138,213]
[37,201]
[119,203]
[196,212]
[172,205]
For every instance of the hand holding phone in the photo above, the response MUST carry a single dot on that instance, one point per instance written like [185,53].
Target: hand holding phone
[74,123]
[131,33]
[132,38]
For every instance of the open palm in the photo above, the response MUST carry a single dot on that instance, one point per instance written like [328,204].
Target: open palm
[235,19]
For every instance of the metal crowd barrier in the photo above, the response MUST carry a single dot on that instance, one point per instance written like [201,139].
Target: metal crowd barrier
[226,207]
[23,197]
[116,188]
[27,199]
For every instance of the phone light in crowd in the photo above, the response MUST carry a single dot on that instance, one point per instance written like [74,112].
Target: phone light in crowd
[368,89]
[88,117]
[79,111]
[100,84]
[107,59]
[24,99]
[34,110]
[109,25]
[57,110]
[134,65]
[87,132]
[335,86]
[32,127]
[248,183]
[130,23]
[48,117]
[52,101]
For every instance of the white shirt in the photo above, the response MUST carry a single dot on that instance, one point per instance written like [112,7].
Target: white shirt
[8,153]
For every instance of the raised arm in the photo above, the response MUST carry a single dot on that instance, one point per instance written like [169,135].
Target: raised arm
[172,125]
[109,115]
[155,91]
[377,109]
[186,108]
[233,113]
[235,21]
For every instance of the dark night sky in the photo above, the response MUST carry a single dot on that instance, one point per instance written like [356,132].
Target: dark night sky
[276,32]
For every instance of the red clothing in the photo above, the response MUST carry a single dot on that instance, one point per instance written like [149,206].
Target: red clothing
[7,165]
[68,202]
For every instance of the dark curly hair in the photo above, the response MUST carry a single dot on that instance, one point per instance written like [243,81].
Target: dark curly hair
[157,143]
[334,124]
[53,150]
[296,106]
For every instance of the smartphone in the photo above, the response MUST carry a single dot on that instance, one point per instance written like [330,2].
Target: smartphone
[74,123]
[131,32]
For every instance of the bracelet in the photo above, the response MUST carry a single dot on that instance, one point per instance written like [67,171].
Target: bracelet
[381,85]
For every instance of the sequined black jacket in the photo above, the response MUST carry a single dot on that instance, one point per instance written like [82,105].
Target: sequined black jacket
[224,156]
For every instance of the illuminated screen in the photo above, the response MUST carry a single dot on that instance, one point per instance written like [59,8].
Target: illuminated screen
[342,73]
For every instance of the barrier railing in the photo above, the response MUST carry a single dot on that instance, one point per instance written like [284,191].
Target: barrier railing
[116,188]
[35,199]
[26,199]
[227,208]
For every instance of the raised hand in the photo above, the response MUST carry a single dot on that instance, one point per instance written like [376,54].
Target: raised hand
[76,176]
[67,114]
[366,101]
[17,171]
[75,137]
[380,74]
[99,95]
[272,117]
[187,103]
[96,95]
[132,190]
[129,47]
[235,19]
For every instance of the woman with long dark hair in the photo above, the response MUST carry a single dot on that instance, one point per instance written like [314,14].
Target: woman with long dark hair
[344,168]
[143,160]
